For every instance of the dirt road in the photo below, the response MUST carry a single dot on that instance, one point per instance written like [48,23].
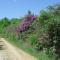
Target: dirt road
[10,52]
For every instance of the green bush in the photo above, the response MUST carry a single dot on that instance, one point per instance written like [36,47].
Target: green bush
[4,22]
[54,37]
[32,39]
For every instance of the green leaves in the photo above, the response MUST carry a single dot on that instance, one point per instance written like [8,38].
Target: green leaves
[4,22]
[32,39]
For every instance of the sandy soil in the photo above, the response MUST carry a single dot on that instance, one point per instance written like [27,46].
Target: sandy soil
[11,52]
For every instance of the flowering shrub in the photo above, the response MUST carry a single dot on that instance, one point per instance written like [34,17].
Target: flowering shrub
[26,22]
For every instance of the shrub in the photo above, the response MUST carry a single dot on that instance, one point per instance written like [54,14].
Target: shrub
[32,39]
[4,22]
[26,22]
[54,37]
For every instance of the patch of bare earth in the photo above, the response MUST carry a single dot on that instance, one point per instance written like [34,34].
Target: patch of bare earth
[10,52]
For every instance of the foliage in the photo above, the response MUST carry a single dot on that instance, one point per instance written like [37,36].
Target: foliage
[32,39]
[26,22]
[54,37]
[40,34]
[4,22]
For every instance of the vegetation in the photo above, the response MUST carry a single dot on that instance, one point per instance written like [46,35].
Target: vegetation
[37,35]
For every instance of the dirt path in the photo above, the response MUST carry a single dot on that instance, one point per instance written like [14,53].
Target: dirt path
[10,52]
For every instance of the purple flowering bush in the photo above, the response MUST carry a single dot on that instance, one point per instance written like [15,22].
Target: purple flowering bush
[26,22]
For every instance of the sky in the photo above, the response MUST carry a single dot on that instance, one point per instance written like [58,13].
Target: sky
[18,8]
